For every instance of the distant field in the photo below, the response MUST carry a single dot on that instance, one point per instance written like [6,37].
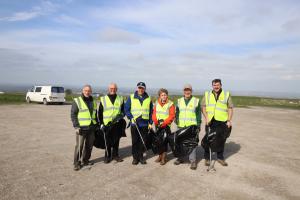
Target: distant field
[239,101]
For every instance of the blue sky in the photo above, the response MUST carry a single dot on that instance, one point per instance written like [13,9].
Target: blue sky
[250,45]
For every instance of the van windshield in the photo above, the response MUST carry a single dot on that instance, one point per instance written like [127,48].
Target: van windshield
[57,90]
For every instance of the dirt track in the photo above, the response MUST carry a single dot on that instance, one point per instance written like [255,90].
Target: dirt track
[37,144]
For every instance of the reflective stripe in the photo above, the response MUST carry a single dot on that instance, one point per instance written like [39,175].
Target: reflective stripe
[104,102]
[221,109]
[162,112]
[110,110]
[84,119]
[188,119]
[217,109]
[83,110]
[140,109]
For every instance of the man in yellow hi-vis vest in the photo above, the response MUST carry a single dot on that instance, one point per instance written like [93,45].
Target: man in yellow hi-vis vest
[188,113]
[217,108]
[110,115]
[83,116]
[138,109]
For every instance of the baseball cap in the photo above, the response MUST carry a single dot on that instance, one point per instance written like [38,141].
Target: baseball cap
[187,86]
[141,84]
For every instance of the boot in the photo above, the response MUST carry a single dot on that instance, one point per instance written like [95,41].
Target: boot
[158,159]
[163,158]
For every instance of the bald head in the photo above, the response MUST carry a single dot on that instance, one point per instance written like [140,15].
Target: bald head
[112,88]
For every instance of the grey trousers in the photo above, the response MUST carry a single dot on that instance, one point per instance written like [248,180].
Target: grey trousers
[193,155]
[84,144]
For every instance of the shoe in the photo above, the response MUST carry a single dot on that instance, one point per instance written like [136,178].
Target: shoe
[163,158]
[222,162]
[143,161]
[107,160]
[76,167]
[193,166]
[88,163]
[135,162]
[178,162]
[158,159]
[207,162]
[118,159]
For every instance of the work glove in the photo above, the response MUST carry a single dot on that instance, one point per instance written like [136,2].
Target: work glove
[77,130]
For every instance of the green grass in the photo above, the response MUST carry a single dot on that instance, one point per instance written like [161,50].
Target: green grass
[12,98]
[239,101]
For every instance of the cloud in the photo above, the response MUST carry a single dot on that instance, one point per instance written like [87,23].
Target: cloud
[65,19]
[44,8]
[117,35]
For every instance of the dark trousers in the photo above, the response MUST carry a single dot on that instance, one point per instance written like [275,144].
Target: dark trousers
[219,154]
[84,146]
[137,145]
[221,127]
[114,148]
[164,147]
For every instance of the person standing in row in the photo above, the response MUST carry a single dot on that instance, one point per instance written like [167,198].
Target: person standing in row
[110,115]
[83,116]
[138,109]
[217,108]
[163,115]
[188,113]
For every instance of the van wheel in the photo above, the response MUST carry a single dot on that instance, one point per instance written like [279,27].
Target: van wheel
[45,101]
[28,100]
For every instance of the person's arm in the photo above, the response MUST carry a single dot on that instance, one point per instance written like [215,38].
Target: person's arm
[230,111]
[154,118]
[100,113]
[198,114]
[203,108]
[127,108]
[74,114]
[122,108]
[177,115]
[171,117]
[150,113]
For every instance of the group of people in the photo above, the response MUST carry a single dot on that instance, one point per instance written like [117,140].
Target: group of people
[144,115]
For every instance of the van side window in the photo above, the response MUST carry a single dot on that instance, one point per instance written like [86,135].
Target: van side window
[38,89]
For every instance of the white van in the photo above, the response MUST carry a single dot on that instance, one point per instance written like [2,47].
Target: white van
[46,94]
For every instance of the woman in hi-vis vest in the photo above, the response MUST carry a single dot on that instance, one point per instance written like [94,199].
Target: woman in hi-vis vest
[163,115]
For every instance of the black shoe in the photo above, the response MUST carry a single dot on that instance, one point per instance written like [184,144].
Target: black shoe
[76,167]
[193,166]
[135,162]
[178,162]
[88,163]
[118,159]
[143,161]
[107,160]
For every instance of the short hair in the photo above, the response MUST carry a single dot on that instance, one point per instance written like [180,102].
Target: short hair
[87,85]
[217,80]
[113,84]
[162,90]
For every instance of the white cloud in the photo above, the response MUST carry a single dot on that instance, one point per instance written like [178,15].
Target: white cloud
[44,8]
[65,19]
[117,35]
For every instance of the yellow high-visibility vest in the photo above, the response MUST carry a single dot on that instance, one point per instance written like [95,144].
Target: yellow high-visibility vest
[187,113]
[84,116]
[140,110]
[110,111]
[162,112]
[219,109]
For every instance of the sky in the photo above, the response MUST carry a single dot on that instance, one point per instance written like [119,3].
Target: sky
[251,45]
